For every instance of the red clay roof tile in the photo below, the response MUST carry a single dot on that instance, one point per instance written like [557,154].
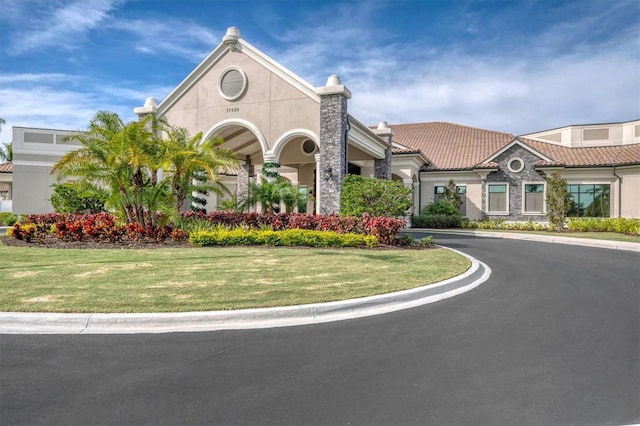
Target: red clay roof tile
[6,167]
[450,146]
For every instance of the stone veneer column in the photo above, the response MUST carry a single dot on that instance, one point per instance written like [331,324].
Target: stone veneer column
[333,144]
[244,174]
[316,190]
[382,166]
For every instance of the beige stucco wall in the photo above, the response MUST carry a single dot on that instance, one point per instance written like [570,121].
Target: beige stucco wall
[270,103]
[471,180]
[630,191]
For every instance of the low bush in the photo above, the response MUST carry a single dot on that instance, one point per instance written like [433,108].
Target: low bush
[442,207]
[289,237]
[92,227]
[499,223]
[29,232]
[382,227]
[630,226]
[439,221]
[8,219]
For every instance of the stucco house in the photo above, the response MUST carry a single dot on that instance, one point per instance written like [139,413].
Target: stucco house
[273,119]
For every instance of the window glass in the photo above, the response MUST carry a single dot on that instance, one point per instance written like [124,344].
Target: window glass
[534,198]
[498,198]
[534,187]
[589,200]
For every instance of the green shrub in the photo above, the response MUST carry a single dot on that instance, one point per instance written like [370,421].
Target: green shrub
[427,241]
[621,225]
[75,197]
[442,207]
[377,197]
[439,221]
[289,237]
[8,219]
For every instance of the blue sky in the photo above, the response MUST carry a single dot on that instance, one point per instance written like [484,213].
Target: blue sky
[516,66]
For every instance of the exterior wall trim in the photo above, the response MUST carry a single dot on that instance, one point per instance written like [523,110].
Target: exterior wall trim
[287,136]
[511,144]
[544,198]
[239,122]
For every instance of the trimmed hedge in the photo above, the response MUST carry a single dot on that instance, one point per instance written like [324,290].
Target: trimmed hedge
[383,228]
[613,224]
[438,221]
[289,237]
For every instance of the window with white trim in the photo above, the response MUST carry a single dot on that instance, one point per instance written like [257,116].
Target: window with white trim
[533,198]
[498,199]
[440,191]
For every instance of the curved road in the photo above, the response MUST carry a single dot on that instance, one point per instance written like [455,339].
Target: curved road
[551,338]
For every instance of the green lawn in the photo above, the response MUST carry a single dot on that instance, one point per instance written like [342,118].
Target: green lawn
[611,236]
[210,278]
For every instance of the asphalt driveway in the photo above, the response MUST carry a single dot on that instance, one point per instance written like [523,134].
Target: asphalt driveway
[551,338]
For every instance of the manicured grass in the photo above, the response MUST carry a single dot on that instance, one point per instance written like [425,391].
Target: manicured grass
[611,236]
[210,278]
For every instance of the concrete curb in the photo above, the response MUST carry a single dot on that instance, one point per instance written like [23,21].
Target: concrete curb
[613,245]
[40,323]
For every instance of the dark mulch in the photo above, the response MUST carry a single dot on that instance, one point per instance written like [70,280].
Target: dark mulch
[53,242]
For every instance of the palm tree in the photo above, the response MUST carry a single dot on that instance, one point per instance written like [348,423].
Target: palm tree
[6,153]
[185,157]
[271,194]
[113,156]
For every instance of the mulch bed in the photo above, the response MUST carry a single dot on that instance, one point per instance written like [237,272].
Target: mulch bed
[55,243]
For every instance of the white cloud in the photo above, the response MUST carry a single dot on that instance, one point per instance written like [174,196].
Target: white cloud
[181,38]
[61,27]
[56,101]
[564,73]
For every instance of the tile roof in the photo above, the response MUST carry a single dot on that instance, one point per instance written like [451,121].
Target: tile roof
[616,155]
[6,167]
[450,146]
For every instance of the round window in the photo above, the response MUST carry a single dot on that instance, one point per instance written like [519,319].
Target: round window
[516,165]
[233,83]
[309,147]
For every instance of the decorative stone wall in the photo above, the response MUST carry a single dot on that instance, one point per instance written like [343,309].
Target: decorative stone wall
[333,150]
[242,186]
[382,166]
[515,181]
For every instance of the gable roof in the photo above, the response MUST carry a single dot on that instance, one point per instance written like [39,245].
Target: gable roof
[449,146]
[233,42]
[617,155]
[518,142]
[6,167]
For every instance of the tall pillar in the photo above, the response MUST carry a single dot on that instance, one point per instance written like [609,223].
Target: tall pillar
[334,124]
[150,108]
[245,172]
[408,183]
[382,166]
[270,168]
[317,188]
